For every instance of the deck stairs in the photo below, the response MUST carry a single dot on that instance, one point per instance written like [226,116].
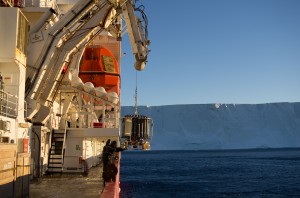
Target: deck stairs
[56,153]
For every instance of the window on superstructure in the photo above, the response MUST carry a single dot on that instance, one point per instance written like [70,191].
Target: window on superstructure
[22,33]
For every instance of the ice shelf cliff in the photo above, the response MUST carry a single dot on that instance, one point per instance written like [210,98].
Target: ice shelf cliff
[223,126]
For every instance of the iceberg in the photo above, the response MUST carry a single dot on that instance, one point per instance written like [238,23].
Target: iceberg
[223,126]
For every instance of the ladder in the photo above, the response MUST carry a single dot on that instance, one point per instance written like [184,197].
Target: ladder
[56,153]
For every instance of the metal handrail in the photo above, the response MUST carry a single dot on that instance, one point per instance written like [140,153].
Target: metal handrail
[64,145]
[8,104]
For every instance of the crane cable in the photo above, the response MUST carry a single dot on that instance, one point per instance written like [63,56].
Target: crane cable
[135,97]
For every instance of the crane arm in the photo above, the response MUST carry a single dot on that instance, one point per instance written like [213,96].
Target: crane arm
[60,41]
[137,35]
[56,44]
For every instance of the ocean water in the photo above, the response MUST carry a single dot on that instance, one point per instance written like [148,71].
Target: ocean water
[229,173]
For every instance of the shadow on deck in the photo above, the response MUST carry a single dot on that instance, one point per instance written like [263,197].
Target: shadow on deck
[69,185]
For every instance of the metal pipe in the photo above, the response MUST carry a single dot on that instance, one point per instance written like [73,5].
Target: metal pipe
[39,152]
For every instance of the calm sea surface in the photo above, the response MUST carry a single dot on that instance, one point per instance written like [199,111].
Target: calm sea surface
[231,173]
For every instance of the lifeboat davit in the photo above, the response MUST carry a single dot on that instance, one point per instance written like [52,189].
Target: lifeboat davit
[100,67]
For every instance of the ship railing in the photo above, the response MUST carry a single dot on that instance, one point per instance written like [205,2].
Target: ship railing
[88,116]
[45,3]
[83,120]
[111,123]
[8,104]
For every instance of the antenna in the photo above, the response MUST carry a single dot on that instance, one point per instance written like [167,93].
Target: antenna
[135,97]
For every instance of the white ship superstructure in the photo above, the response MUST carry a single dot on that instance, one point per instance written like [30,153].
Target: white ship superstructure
[52,119]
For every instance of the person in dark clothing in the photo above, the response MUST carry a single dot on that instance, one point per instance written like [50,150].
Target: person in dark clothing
[114,145]
[108,152]
[109,168]
[105,152]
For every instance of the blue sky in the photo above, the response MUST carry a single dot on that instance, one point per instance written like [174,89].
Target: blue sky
[217,51]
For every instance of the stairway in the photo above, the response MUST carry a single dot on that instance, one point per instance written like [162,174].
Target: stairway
[56,153]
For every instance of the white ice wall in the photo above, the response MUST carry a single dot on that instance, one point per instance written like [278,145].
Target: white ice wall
[225,126]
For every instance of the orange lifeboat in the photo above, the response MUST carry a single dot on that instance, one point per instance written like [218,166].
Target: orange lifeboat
[100,67]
